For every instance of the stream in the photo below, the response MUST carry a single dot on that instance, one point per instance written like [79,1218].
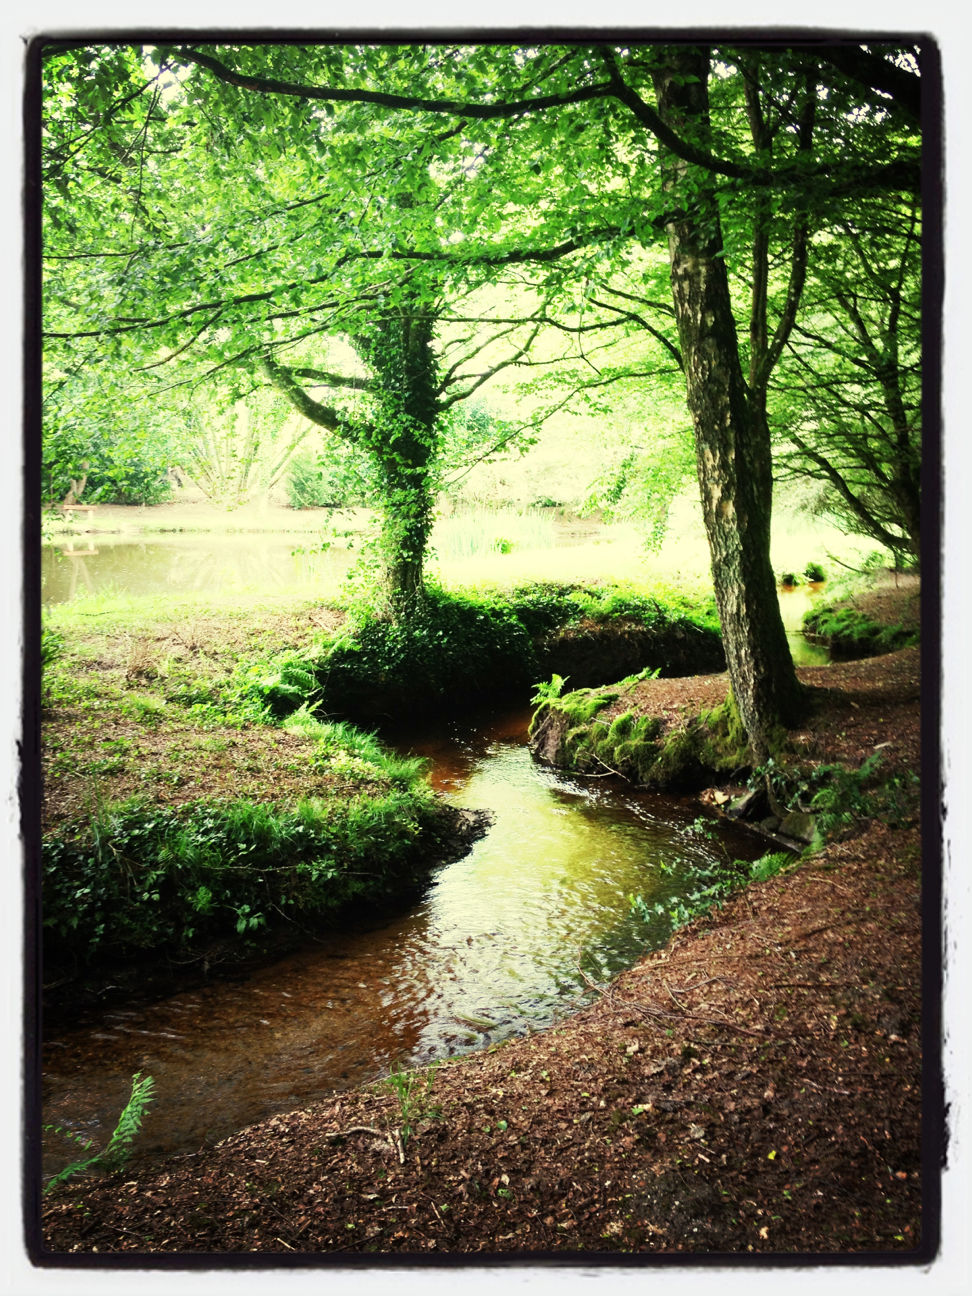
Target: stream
[498,946]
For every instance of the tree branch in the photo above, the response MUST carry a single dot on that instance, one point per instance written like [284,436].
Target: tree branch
[407,103]
[324,416]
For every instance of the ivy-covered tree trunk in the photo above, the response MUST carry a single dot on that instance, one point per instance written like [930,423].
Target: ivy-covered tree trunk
[731,437]
[401,438]
[404,440]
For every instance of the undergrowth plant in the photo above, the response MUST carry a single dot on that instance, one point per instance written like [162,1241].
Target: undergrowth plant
[840,798]
[413,1090]
[709,888]
[118,1149]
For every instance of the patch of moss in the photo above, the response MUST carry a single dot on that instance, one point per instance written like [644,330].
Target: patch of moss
[677,763]
[634,746]
[850,633]
[723,744]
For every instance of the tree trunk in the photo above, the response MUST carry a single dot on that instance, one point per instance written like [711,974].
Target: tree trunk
[398,346]
[406,521]
[731,437]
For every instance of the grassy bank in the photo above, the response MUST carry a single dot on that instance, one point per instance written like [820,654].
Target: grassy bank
[470,645]
[179,814]
[867,616]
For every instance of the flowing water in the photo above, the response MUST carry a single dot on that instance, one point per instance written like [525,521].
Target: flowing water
[498,946]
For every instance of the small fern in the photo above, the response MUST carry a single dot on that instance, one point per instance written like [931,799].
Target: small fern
[548,690]
[118,1148]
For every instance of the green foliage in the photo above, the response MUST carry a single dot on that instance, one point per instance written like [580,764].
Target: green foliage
[848,389]
[280,686]
[343,749]
[228,255]
[453,645]
[708,887]
[122,468]
[337,477]
[840,798]
[850,633]
[141,876]
[101,432]
[642,483]
[413,1090]
[814,572]
[118,1148]
[52,644]
[545,691]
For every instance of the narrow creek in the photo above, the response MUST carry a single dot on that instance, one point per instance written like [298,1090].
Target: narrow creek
[497,946]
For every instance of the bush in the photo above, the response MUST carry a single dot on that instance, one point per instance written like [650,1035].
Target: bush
[145,876]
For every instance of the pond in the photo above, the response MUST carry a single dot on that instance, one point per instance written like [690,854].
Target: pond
[499,945]
[250,564]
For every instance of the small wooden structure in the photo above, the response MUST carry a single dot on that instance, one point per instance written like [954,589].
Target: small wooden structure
[78,508]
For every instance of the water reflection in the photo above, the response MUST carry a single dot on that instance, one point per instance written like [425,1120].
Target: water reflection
[180,564]
[795,602]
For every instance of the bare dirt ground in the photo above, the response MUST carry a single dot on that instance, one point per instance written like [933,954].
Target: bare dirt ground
[753,1087]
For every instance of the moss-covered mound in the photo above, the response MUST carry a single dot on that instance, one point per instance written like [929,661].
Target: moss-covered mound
[612,730]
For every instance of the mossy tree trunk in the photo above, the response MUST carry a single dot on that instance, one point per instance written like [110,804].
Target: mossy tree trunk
[402,437]
[731,433]
[398,345]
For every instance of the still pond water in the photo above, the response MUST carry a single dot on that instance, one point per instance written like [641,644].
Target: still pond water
[251,565]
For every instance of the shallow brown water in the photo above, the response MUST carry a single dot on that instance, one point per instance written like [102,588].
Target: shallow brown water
[495,948]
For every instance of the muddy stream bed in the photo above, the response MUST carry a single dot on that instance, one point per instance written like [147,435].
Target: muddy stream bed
[498,946]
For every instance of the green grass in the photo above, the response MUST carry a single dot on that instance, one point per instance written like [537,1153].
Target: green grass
[492,533]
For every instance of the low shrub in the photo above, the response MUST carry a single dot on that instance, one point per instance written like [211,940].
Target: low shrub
[142,876]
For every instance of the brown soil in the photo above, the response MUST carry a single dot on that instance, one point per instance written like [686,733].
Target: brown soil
[755,1086]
